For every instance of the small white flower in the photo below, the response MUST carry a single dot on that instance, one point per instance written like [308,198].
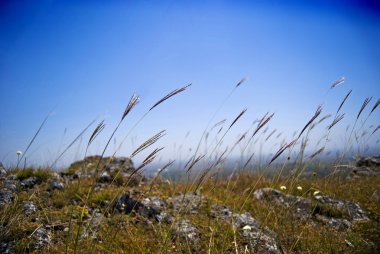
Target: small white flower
[316,192]
[247,227]
[18,152]
[299,188]
[282,187]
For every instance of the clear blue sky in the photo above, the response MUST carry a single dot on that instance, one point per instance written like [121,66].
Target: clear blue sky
[85,59]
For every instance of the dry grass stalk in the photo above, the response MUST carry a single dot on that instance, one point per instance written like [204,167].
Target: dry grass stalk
[172,93]
[270,134]
[376,129]
[193,162]
[324,118]
[218,124]
[262,123]
[317,152]
[237,118]
[148,143]
[96,132]
[336,120]
[344,100]
[365,103]
[249,160]
[375,106]
[316,114]
[240,82]
[132,103]
[338,82]
[147,160]
[282,149]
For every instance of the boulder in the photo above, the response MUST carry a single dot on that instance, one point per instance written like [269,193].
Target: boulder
[257,238]
[186,203]
[184,230]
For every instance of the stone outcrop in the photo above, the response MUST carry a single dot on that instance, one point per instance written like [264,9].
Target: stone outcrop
[340,214]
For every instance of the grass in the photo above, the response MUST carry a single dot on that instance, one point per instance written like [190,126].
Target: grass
[68,214]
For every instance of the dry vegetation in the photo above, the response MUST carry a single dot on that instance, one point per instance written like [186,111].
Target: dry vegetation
[82,218]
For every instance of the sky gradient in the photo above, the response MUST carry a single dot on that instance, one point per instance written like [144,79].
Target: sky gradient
[83,60]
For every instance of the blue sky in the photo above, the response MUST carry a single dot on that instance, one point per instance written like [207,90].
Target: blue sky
[85,59]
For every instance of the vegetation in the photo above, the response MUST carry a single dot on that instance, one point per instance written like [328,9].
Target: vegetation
[82,218]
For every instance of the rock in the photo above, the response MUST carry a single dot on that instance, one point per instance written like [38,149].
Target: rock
[258,239]
[3,172]
[126,204]
[184,230]
[42,237]
[122,164]
[57,185]
[159,206]
[339,214]
[29,207]
[105,178]
[221,212]
[6,196]
[350,209]
[303,206]
[188,202]
[365,167]
[6,248]
[368,161]
[29,183]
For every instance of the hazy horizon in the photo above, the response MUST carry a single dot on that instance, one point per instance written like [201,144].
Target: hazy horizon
[83,62]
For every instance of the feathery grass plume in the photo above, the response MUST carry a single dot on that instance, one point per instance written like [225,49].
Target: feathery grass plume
[218,124]
[282,149]
[344,100]
[249,160]
[34,137]
[262,123]
[96,132]
[237,118]
[72,143]
[148,143]
[132,103]
[375,106]
[316,114]
[377,128]
[365,103]
[193,162]
[147,160]
[324,118]
[278,135]
[188,162]
[172,93]
[220,158]
[316,153]
[270,134]
[336,120]
[240,82]
[338,82]
[220,130]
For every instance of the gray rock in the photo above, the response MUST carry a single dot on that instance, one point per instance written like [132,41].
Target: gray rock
[221,212]
[3,171]
[149,208]
[105,178]
[257,239]
[122,164]
[6,196]
[185,230]
[57,185]
[29,207]
[376,196]
[188,202]
[339,214]
[42,237]
[6,248]
[29,182]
